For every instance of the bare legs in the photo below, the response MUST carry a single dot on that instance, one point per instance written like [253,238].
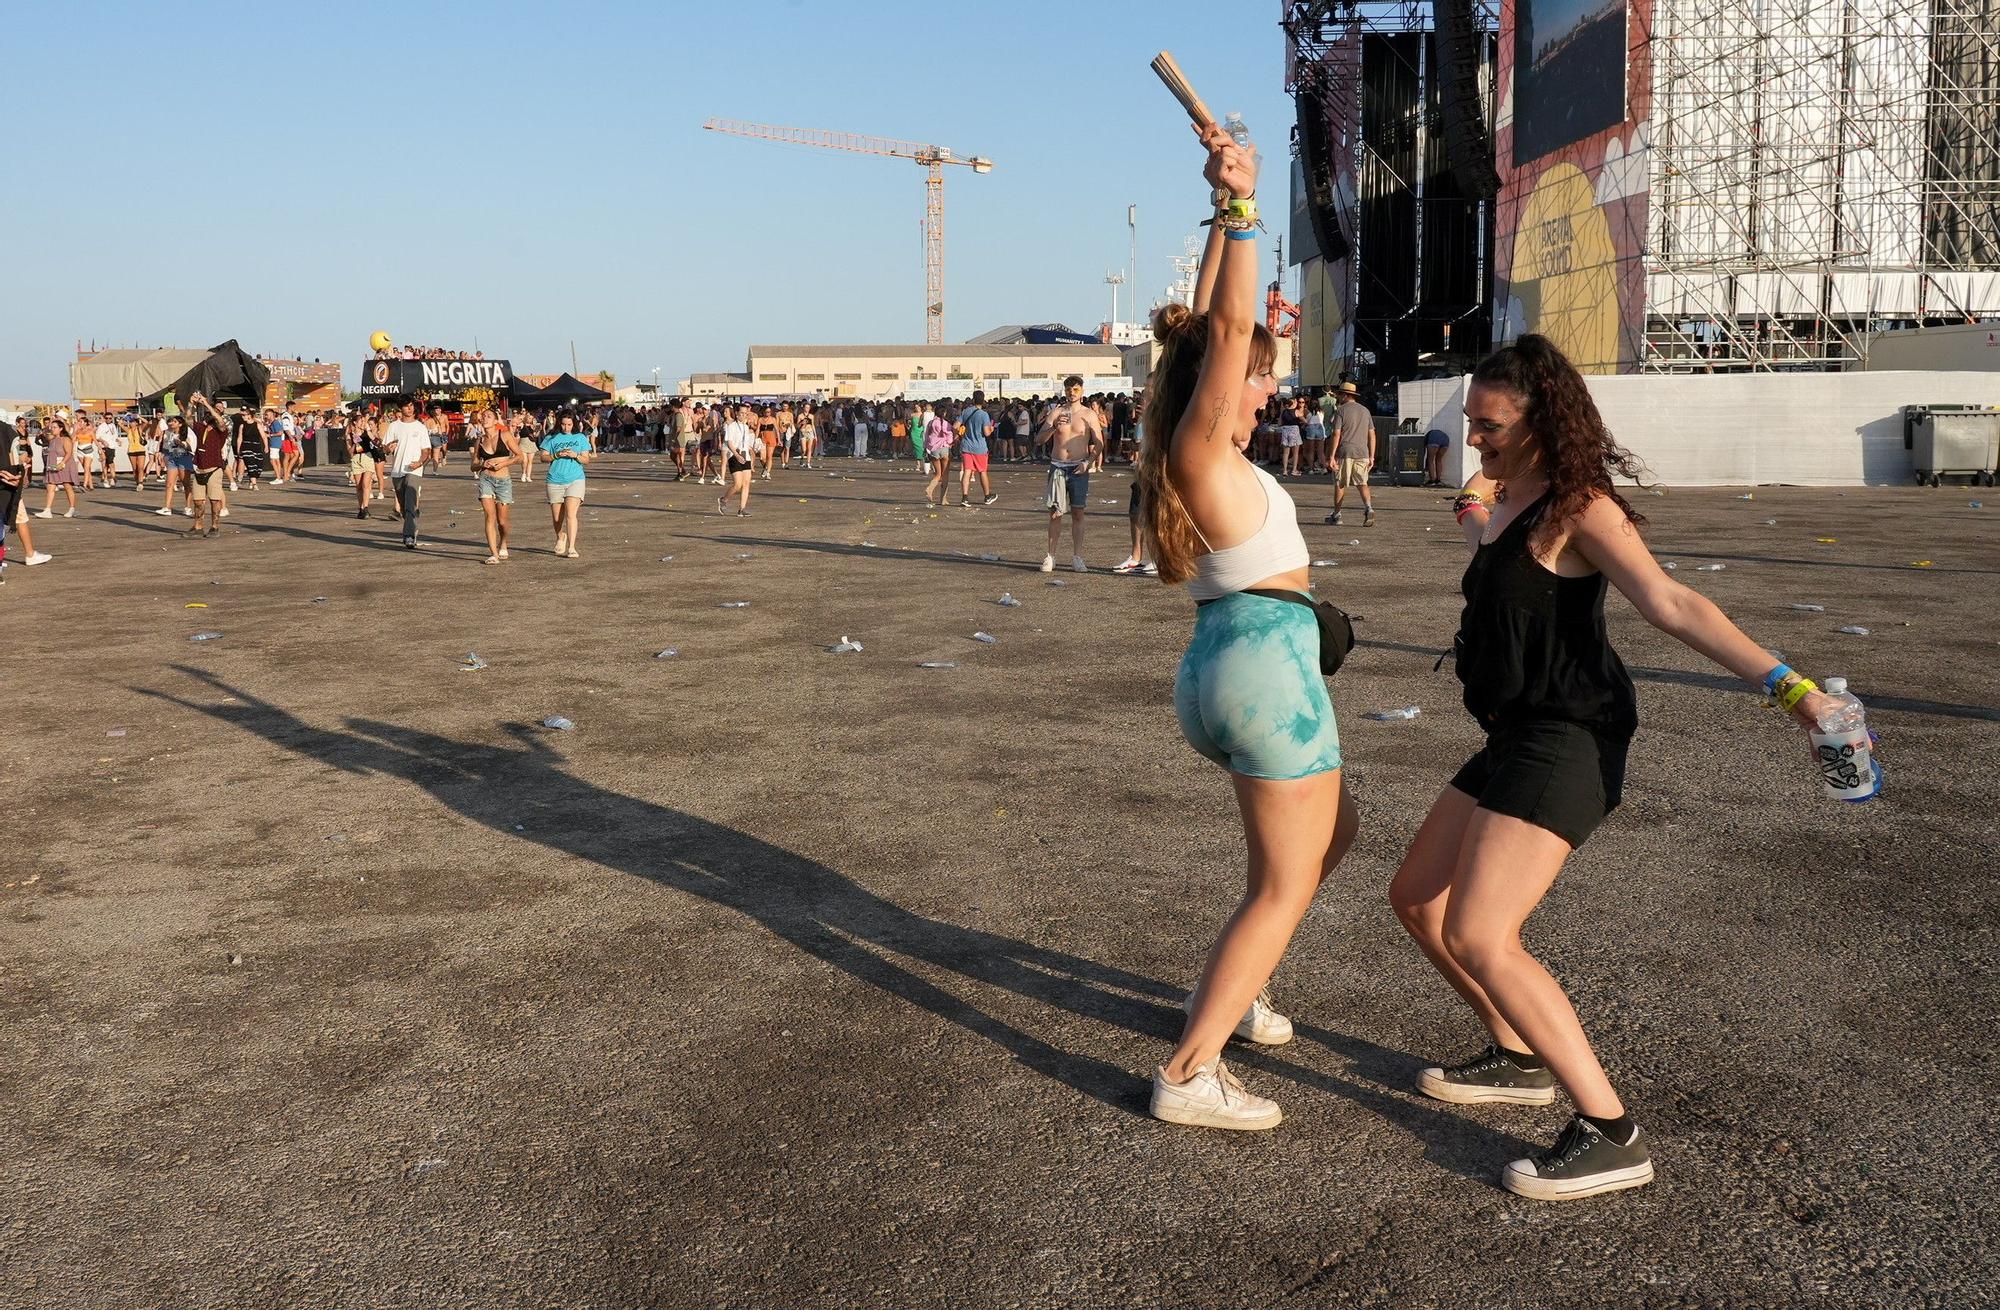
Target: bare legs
[1298,830]
[1075,531]
[1470,880]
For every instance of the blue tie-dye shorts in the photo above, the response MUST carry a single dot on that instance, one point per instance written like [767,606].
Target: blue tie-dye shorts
[1249,694]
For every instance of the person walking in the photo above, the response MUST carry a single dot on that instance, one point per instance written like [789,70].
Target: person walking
[568,451]
[974,451]
[1291,438]
[408,445]
[808,434]
[1074,438]
[253,448]
[177,450]
[939,435]
[59,468]
[363,458]
[211,466]
[16,464]
[739,456]
[1315,436]
[1249,694]
[527,437]
[1354,453]
[1549,534]
[493,458]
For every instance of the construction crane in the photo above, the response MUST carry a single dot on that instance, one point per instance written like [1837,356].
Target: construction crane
[933,158]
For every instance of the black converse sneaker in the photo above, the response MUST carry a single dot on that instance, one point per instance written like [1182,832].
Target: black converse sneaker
[1583,1162]
[1488,1076]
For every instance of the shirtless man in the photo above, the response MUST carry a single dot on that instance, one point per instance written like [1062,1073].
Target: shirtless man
[1075,440]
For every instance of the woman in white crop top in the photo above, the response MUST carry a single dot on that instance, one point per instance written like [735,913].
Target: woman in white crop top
[1249,694]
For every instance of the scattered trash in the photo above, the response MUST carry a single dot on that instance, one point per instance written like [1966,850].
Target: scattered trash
[986,637]
[319,600]
[115,732]
[870,545]
[1976,504]
[1770,523]
[1007,600]
[557,723]
[205,636]
[990,557]
[743,555]
[1920,563]
[338,837]
[1748,496]
[1853,630]
[426,1166]
[666,559]
[519,828]
[1356,541]
[734,605]
[1385,716]
[472,663]
[1826,541]
[846,645]
[937,664]
[1807,609]
[1655,491]
[1670,566]
[235,959]
[1326,563]
[668,653]
[1057,582]
[195,605]
[1710,568]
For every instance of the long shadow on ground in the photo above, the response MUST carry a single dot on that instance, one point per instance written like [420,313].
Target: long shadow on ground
[821,911]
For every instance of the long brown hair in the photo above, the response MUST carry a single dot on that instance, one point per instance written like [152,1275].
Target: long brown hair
[1579,454]
[1183,337]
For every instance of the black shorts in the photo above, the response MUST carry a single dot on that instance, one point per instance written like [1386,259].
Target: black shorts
[1132,508]
[1561,777]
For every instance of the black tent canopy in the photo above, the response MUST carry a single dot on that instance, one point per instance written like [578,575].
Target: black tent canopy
[522,389]
[569,387]
[229,373]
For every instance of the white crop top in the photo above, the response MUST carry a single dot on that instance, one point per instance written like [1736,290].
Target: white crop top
[1276,547]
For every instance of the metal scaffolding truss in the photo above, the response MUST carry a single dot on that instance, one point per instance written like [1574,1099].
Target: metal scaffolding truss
[1818,167]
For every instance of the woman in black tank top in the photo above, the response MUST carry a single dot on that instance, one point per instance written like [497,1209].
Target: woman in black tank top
[1549,533]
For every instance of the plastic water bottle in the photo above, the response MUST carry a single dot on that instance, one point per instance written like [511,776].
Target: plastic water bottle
[1238,130]
[1841,746]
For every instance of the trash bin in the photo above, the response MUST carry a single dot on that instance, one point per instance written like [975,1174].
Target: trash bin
[1407,466]
[1956,441]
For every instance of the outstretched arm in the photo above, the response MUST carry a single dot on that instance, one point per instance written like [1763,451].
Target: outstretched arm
[1211,267]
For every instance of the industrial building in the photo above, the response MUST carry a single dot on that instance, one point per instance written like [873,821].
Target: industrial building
[872,371]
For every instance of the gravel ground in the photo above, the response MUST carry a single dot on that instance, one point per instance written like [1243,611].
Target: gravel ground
[792,978]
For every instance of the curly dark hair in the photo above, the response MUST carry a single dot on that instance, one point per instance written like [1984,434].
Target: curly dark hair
[1579,453]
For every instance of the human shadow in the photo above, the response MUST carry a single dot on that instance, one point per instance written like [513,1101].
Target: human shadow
[817,909]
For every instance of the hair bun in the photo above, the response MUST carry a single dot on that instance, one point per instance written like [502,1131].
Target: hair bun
[1169,319]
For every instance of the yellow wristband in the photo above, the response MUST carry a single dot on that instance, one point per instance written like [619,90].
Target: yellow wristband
[1797,692]
[1241,207]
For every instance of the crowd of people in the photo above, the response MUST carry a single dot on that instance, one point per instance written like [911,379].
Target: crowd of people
[426,352]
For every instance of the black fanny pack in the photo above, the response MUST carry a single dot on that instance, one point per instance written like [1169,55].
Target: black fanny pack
[1336,630]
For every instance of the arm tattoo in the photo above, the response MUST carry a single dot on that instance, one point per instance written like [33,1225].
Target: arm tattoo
[1215,420]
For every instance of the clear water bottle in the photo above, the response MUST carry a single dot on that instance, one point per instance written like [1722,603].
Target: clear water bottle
[1239,132]
[1842,749]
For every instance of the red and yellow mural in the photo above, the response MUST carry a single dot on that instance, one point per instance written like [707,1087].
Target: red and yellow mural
[1570,223]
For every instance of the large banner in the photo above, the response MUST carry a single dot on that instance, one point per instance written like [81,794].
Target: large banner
[1574,144]
[433,377]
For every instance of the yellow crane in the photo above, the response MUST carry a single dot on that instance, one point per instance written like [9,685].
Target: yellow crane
[933,158]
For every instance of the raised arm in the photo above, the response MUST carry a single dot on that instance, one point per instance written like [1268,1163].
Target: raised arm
[1211,266]
[1202,443]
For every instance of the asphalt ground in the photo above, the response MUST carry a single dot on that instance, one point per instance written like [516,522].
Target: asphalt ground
[791,978]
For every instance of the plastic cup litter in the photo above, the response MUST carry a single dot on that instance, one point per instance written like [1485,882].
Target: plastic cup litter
[937,664]
[846,645]
[1807,609]
[667,654]
[204,636]
[734,605]
[1007,600]
[557,723]
[1709,568]
[986,637]
[1853,630]
[1386,716]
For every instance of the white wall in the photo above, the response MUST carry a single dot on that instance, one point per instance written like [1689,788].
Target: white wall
[1805,429]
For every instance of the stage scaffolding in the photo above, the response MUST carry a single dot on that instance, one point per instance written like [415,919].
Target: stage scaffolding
[1819,168]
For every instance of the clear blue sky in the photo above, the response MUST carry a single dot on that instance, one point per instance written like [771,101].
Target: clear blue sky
[531,174]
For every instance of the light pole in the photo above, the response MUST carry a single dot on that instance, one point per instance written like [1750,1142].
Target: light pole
[656,384]
[1132,271]
[1114,281]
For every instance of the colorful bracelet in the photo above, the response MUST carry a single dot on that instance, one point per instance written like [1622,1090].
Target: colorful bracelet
[1243,234]
[1797,692]
[1774,677]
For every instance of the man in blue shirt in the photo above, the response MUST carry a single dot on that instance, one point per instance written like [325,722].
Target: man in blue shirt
[972,451]
[568,451]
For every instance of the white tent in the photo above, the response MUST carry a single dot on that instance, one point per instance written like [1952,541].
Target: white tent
[130,374]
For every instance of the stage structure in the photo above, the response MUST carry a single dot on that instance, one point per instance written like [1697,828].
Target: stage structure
[1818,166]
[1393,185]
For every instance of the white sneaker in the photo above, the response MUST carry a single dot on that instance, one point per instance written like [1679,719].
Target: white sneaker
[70,513]
[1213,1098]
[1126,566]
[232,485]
[225,511]
[44,514]
[38,557]
[165,511]
[1048,564]
[1076,564]
[188,510]
[1262,1025]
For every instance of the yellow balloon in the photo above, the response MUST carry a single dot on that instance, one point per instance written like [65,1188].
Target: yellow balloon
[380,341]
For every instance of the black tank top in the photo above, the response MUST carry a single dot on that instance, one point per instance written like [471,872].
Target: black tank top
[1531,643]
